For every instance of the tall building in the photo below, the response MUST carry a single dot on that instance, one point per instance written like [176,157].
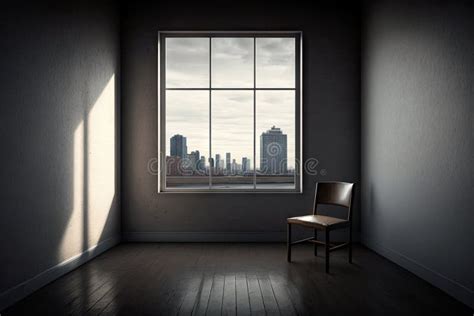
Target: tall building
[178,147]
[194,159]
[244,164]
[218,162]
[228,162]
[235,167]
[222,164]
[273,152]
[201,165]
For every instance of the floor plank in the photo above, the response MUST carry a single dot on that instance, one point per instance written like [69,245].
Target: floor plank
[229,306]
[217,292]
[255,294]
[269,301]
[282,296]
[242,295]
[203,296]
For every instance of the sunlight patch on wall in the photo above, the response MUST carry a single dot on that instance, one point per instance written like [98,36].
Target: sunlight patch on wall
[93,175]
[101,161]
[73,233]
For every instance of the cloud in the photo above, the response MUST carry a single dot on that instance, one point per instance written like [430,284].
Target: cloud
[276,62]
[232,62]
[187,62]
[237,48]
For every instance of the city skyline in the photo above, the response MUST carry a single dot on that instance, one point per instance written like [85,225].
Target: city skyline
[232,120]
[273,155]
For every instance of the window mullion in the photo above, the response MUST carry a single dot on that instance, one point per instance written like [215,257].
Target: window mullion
[254,114]
[211,165]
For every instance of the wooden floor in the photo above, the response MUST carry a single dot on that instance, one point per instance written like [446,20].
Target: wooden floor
[242,279]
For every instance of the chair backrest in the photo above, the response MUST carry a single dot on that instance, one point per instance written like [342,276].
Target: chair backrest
[334,193]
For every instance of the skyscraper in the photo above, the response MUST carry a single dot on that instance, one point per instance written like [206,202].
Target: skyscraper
[235,167]
[178,147]
[194,159]
[218,161]
[244,164]
[273,152]
[201,165]
[222,164]
[228,162]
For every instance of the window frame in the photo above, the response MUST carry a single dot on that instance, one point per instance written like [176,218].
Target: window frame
[298,89]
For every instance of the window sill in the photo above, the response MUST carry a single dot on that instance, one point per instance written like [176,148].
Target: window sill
[228,191]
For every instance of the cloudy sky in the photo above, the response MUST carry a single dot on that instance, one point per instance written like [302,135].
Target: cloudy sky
[187,111]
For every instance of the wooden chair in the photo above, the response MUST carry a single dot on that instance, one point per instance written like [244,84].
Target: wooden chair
[329,193]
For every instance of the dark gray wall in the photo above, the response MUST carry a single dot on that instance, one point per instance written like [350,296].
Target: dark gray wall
[331,117]
[56,62]
[417,134]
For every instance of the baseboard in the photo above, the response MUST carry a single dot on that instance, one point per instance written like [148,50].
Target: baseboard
[20,291]
[203,236]
[277,236]
[451,287]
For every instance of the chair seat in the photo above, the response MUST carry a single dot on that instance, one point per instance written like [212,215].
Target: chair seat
[318,221]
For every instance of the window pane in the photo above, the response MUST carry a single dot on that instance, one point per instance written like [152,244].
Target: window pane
[275,62]
[187,139]
[232,62]
[232,139]
[275,139]
[187,62]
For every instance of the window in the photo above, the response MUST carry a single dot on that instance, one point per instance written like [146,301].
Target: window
[229,111]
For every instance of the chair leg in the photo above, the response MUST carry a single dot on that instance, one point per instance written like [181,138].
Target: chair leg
[288,243]
[327,250]
[350,244]
[315,245]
